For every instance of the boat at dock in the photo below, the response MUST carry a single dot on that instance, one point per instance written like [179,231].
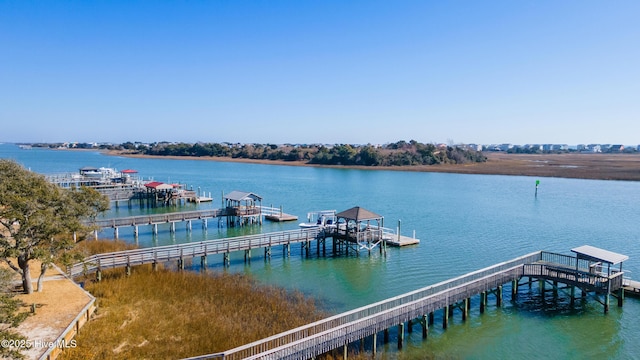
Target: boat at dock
[319,219]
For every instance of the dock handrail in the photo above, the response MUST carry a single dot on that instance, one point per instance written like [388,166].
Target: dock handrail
[336,322]
[202,248]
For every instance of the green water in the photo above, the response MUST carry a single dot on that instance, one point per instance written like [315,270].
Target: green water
[465,222]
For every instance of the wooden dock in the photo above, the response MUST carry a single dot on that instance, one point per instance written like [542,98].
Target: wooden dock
[276,214]
[418,307]
[179,252]
[269,213]
[395,240]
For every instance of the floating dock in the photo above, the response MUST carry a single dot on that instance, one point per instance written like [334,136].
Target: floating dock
[402,240]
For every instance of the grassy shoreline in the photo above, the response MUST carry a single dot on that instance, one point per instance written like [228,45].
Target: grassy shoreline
[168,314]
[578,166]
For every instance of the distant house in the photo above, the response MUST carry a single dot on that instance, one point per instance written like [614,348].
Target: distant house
[616,148]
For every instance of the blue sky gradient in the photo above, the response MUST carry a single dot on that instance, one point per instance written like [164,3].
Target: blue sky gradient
[320,71]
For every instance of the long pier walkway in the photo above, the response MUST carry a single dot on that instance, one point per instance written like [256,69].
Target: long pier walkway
[202,249]
[336,332]
[274,214]
[584,271]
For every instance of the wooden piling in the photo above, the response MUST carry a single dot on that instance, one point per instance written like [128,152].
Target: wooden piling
[373,343]
[425,326]
[465,309]
[499,296]
[445,317]
[400,335]
[483,301]
[621,297]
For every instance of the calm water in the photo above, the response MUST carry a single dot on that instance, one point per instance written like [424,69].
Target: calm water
[465,222]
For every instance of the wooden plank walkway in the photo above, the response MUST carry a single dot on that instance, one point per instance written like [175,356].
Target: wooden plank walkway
[160,218]
[178,216]
[320,337]
[332,333]
[176,252]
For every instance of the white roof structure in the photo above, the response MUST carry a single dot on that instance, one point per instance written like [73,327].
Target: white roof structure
[242,196]
[593,253]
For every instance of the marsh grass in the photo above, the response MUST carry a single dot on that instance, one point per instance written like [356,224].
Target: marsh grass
[167,314]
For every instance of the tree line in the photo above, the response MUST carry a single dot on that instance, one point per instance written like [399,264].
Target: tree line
[400,153]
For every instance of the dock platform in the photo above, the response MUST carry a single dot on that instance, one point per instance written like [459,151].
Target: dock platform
[281,217]
[402,241]
[631,287]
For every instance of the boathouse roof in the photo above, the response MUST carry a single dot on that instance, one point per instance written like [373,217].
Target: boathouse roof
[596,254]
[157,185]
[358,214]
[242,196]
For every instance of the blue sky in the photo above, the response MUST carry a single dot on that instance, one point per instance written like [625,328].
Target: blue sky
[320,71]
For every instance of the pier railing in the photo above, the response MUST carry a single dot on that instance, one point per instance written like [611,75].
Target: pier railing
[569,275]
[330,333]
[160,218]
[179,251]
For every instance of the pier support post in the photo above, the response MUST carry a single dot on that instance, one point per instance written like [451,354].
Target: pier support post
[225,259]
[203,262]
[155,229]
[154,266]
[499,296]
[189,226]
[385,335]
[425,326]
[483,301]
[127,270]
[135,231]
[181,263]
[542,284]
[555,289]
[410,326]
[445,317]
[573,295]
[620,297]
[247,256]
[95,234]
[99,275]
[514,290]
[373,343]
[115,232]
[400,335]
[172,229]
[267,252]
[606,302]
[204,224]
[465,309]
[344,351]
[431,318]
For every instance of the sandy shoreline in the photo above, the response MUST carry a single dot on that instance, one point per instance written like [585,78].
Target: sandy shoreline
[578,166]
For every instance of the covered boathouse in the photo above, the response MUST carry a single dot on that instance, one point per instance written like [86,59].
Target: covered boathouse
[592,270]
[243,208]
[357,228]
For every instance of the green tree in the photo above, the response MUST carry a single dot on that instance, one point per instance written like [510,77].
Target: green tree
[37,218]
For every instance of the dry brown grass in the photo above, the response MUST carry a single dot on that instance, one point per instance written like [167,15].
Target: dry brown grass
[166,314]
[92,247]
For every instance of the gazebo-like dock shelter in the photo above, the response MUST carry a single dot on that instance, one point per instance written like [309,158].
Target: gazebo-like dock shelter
[357,228]
[592,270]
[243,208]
